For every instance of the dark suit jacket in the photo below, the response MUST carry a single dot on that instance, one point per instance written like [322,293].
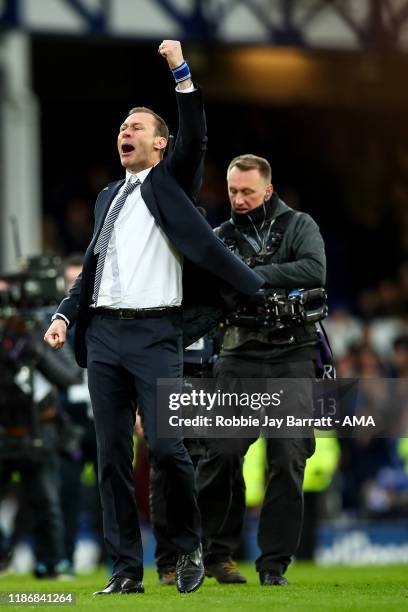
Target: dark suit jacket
[169,191]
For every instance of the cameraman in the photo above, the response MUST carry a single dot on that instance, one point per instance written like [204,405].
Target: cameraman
[285,248]
[30,373]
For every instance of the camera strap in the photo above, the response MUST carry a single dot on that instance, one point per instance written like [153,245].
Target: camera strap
[232,237]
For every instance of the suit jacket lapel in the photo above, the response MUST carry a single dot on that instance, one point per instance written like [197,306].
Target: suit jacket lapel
[149,198]
[106,197]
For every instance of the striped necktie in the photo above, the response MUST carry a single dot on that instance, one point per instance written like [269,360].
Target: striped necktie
[104,237]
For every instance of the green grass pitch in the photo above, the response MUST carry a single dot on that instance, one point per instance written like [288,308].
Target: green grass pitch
[311,589]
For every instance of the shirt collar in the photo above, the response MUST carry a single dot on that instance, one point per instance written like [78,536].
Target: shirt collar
[140,175]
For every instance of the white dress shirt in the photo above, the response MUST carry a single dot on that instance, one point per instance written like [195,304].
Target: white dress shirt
[142,268]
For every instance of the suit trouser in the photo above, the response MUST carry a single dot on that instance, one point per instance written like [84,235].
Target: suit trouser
[281,516]
[125,359]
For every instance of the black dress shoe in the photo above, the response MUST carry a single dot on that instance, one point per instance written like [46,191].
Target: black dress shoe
[269,579]
[190,571]
[120,585]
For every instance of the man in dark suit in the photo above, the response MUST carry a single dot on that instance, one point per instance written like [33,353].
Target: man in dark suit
[129,322]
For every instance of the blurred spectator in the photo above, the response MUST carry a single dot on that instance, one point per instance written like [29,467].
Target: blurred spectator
[51,239]
[403,285]
[97,177]
[213,196]
[399,362]
[76,227]
[344,331]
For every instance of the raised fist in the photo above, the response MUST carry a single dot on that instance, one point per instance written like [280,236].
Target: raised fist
[171,50]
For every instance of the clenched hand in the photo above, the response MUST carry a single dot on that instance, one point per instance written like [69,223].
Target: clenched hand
[56,334]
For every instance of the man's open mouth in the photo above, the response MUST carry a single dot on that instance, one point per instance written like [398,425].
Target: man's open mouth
[127,148]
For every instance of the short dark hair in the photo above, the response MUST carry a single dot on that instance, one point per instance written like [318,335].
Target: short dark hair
[252,162]
[161,125]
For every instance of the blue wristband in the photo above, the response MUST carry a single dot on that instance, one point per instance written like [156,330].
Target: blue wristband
[181,73]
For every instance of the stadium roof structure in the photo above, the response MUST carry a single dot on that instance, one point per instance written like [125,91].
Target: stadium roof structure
[335,24]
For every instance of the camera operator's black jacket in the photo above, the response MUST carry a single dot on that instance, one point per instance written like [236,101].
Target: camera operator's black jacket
[299,262]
